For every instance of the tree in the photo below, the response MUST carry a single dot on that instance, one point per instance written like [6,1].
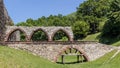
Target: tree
[60,36]
[97,8]
[92,12]
[115,6]
[39,36]
[80,29]
[52,20]
[112,26]
[93,23]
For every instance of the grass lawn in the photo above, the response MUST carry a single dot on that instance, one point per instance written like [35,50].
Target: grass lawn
[92,37]
[96,37]
[11,58]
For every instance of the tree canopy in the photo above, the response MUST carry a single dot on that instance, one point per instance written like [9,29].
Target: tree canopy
[91,16]
[112,26]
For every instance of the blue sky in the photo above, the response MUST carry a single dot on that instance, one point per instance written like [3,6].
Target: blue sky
[20,10]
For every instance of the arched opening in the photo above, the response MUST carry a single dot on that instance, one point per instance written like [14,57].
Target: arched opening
[61,35]
[39,35]
[71,56]
[17,35]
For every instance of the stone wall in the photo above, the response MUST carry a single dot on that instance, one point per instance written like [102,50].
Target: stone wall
[4,20]
[92,50]
[49,31]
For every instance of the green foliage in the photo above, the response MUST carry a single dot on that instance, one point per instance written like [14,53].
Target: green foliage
[92,12]
[17,34]
[72,15]
[22,36]
[65,38]
[101,24]
[93,22]
[99,15]
[96,8]
[39,36]
[80,29]
[115,6]
[56,20]
[60,36]
[111,28]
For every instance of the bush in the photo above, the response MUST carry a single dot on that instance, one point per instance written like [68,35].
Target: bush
[112,26]
[80,29]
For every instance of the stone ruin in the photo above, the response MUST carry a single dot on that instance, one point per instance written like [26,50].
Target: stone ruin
[4,20]
[49,50]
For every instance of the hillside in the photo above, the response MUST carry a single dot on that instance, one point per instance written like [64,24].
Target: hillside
[96,37]
[72,14]
[11,58]
[92,37]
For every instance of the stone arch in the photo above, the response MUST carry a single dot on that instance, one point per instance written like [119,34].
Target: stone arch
[17,29]
[68,47]
[39,29]
[67,34]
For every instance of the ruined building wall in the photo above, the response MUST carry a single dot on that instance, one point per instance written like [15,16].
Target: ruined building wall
[8,19]
[4,20]
[29,31]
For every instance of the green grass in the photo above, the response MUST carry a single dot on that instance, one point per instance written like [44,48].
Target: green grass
[92,37]
[97,63]
[11,58]
[116,43]
[108,41]
[68,59]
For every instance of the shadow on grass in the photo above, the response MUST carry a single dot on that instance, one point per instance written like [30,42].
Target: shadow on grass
[76,62]
[107,40]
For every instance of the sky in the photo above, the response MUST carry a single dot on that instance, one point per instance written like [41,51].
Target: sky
[20,10]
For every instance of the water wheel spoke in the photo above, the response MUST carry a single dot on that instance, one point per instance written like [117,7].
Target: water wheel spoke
[70,50]
[66,52]
[76,50]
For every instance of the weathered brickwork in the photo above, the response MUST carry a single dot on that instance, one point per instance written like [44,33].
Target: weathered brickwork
[49,31]
[91,50]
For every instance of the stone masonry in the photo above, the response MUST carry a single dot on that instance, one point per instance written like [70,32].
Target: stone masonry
[91,50]
[49,31]
[50,50]
[4,20]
